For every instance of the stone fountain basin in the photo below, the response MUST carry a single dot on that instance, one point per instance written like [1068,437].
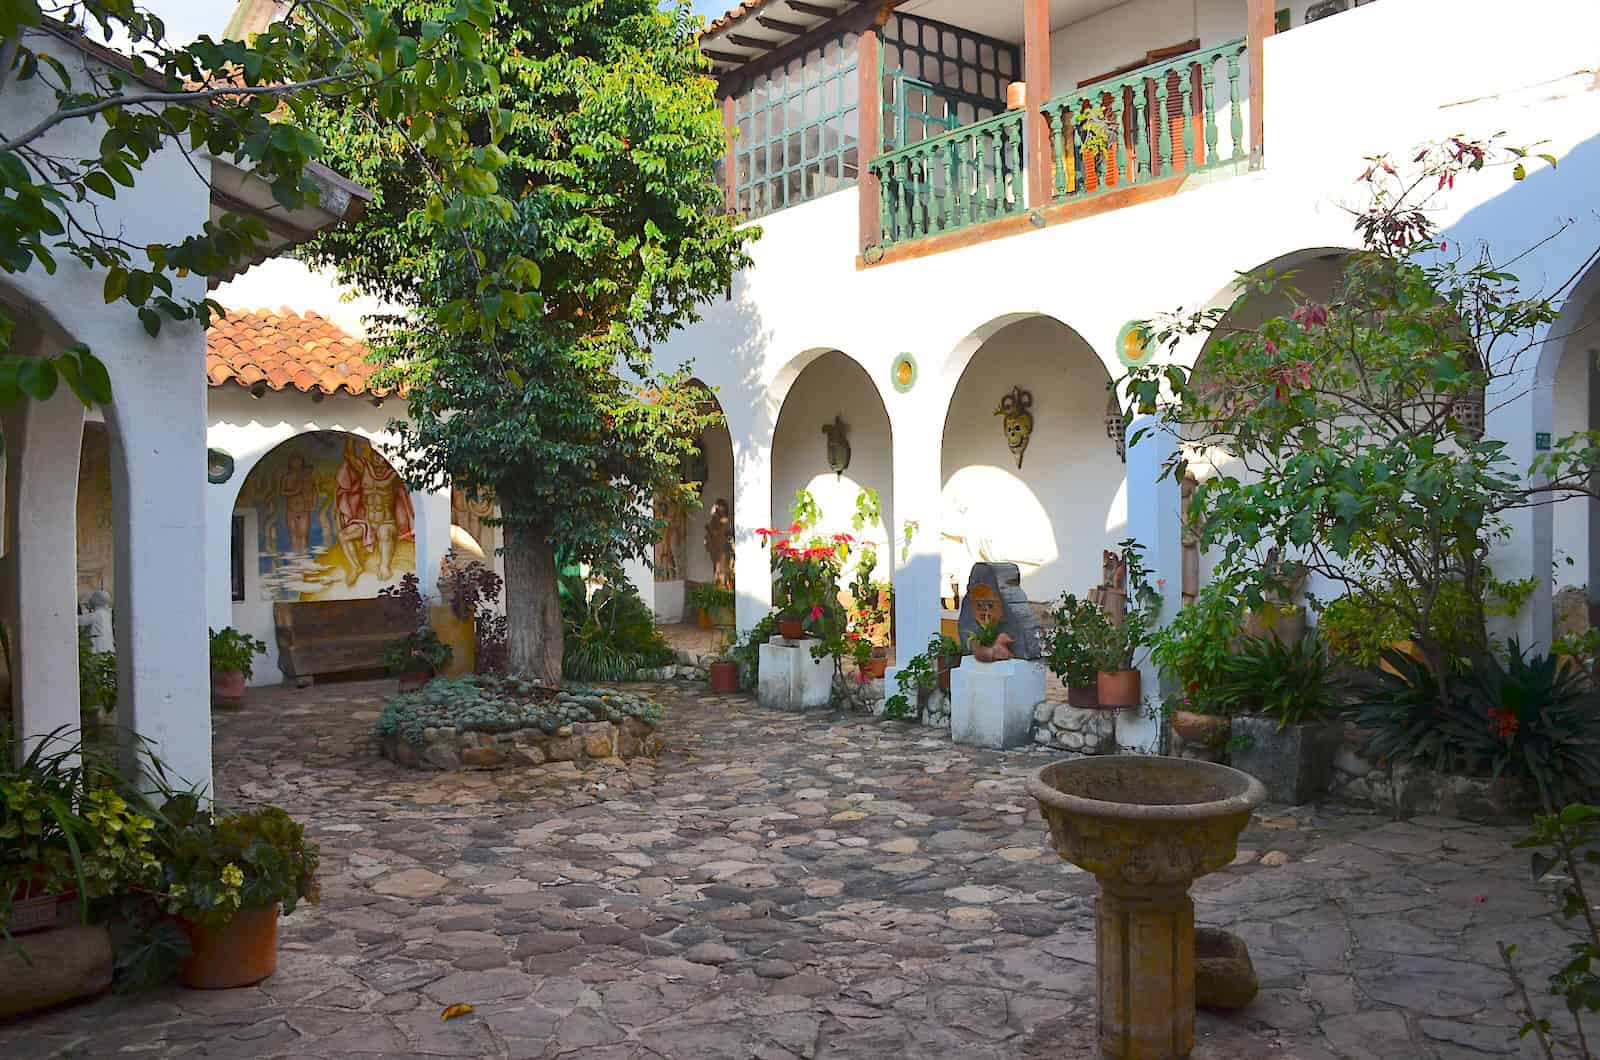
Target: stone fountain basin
[1145,820]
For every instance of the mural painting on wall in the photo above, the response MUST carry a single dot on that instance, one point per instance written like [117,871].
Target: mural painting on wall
[468,511]
[95,538]
[334,519]
[719,543]
[1016,408]
[674,534]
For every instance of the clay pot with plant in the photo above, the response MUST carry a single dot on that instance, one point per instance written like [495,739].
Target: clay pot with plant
[1116,646]
[232,656]
[714,605]
[1079,625]
[806,582]
[988,643]
[225,877]
[1192,653]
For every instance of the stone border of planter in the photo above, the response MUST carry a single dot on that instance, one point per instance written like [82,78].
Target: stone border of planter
[1415,791]
[1087,731]
[448,748]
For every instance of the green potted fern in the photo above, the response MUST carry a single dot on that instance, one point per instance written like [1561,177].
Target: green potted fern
[232,658]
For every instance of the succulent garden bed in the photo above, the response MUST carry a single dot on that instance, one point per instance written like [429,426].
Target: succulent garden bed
[484,722]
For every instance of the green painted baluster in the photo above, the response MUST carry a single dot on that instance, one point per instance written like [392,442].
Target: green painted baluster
[885,202]
[1019,174]
[902,219]
[1163,160]
[1188,116]
[1141,132]
[952,181]
[919,195]
[1236,126]
[981,158]
[1058,156]
[1010,191]
[1118,153]
[1208,76]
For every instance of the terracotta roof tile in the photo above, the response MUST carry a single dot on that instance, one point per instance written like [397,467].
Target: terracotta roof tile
[283,348]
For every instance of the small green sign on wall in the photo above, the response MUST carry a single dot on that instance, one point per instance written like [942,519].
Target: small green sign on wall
[1541,441]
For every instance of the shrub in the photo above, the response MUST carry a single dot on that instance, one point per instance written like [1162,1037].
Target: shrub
[97,675]
[1290,683]
[233,652]
[488,703]
[708,596]
[1407,716]
[1080,626]
[1193,649]
[611,634]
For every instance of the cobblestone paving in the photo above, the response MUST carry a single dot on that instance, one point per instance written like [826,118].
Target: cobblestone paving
[779,887]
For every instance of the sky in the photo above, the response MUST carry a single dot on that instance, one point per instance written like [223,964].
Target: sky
[187,19]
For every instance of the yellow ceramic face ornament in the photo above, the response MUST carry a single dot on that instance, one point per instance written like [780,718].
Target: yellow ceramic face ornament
[1016,408]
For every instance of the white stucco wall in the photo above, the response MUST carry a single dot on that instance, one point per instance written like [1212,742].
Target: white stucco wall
[1054,514]
[1491,69]
[248,429]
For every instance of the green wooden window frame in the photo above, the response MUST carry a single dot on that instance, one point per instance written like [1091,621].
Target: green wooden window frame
[797,129]
[938,77]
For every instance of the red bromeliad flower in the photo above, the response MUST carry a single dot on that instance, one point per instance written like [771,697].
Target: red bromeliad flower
[1504,723]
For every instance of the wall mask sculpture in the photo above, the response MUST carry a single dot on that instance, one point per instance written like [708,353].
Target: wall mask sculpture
[1017,410]
[838,445]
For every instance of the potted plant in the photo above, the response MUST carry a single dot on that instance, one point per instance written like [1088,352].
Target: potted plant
[226,877]
[1287,700]
[1191,652]
[806,586]
[724,675]
[985,641]
[1079,625]
[946,653]
[232,655]
[1116,646]
[714,604]
[417,658]
[97,682]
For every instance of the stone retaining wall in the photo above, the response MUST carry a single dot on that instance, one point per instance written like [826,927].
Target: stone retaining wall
[1085,731]
[450,748]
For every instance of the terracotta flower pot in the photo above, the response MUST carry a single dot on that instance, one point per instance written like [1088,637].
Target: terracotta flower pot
[1084,697]
[877,666]
[791,628]
[1016,95]
[723,617]
[724,676]
[227,688]
[703,619]
[1204,730]
[414,679]
[241,952]
[1119,688]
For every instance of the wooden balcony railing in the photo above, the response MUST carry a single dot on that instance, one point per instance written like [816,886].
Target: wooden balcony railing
[1158,121]
[960,178]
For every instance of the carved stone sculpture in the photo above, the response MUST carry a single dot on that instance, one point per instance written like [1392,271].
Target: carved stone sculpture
[719,543]
[1112,592]
[994,592]
[838,436]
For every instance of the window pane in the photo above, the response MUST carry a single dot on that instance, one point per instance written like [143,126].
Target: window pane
[851,166]
[796,187]
[775,197]
[813,109]
[794,148]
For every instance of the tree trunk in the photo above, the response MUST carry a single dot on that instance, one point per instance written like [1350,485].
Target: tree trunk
[534,640]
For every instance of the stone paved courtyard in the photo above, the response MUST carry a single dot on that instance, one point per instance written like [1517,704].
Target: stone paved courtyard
[777,887]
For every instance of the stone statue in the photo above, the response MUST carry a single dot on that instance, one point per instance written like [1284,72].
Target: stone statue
[719,543]
[838,445]
[1017,410]
[1190,536]
[994,591]
[671,534]
[1112,592]
[96,618]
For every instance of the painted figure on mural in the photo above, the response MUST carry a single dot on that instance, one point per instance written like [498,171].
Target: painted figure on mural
[297,485]
[672,535]
[1191,540]
[719,543]
[374,510]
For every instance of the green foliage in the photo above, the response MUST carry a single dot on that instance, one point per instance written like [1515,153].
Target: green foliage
[747,652]
[1290,683]
[247,103]
[418,652]
[608,133]
[869,512]
[610,633]
[489,703]
[1531,716]
[234,652]
[1564,845]
[97,675]
[917,678]
[69,824]
[709,596]
[1080,627]
[1352,425]
[215,862]
[1192,650]
[984,634]
[1116,647]
[1406,716]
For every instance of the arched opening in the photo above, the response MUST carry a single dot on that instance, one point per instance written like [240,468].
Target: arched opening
[321,516]
[1031,474]
[833,440]
[1574,345]
[694,557]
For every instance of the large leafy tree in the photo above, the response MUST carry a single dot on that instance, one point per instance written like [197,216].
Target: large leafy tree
[611,135]
[246,101]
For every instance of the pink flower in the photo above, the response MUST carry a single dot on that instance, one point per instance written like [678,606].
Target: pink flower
[1161,583]
[816,612]
[1311,315]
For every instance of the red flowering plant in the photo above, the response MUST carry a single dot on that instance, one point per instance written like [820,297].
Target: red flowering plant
[806,579]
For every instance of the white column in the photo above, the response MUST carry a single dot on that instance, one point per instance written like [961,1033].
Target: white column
[1528,551]
[433,536]
[1154,514]
[918,479]
[43,443]
[752,509]
[157,429]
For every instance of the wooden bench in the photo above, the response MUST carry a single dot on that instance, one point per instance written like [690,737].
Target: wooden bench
[318,637]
